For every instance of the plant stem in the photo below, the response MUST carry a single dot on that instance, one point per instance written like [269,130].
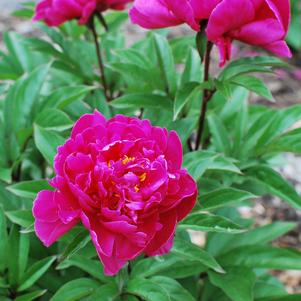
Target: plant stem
[92,27]
[206,95]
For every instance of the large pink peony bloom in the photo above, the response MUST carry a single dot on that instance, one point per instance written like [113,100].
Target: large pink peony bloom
[56,12]
[122,178]
[262,23]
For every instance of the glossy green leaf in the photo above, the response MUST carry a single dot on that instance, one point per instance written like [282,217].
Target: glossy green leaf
[65,96]
[166,62]
[288,142]
[275,184]
[36,271]
[175,291]
[266,257]
[223,197]
[185,94]
[47,142]
[90,266]
[219,243]
[190,251]
[22,218]
[107,292]
[193,70]
[3,240]
[237,283]
[31,296]
[209,223]
[22,99]
[77,243]
[220,137]
[136,101]
[199,162]
[253,84]
[295,297]
[170,265]
[75,290]
[53,119]
[28,189]
[147,290]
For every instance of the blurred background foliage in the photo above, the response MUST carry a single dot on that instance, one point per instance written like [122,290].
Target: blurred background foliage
[50,79]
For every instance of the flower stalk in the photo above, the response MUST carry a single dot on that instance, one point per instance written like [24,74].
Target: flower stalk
[207,95]
[92,28]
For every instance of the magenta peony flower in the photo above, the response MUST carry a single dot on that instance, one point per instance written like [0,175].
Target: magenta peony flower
[122,178]
[56,12]
[261,23]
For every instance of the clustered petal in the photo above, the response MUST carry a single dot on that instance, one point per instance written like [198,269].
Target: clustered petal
[261,23]
[56,12]
[122,178]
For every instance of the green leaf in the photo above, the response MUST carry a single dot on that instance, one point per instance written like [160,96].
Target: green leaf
[136,101]
[190,251]
[199,162]
[22,218]
[47,142]
[223,197]
[64,96]
[23,254]
[31,296]
[107,292]
[170,265]
[288,142]
[275,184]
[254,84]
[19,53]
[225,88]
[35,272]
[147,290]
[185,94]
[296,297]
[237,283]
[28,189]
[53,119]
[193,71]
[175,291]
[266,257]
[166,62]
[90,266]
[219,243]
[219,133]
[75,290]
[3,240]
[137,78]
[5,175]
[77,243]
[12,259]
[282,120]
[21,101]
[250,65]
[209,223]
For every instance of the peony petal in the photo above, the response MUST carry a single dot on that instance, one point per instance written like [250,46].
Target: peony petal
[174,152]
[48,226]
[168,221]
[153,14]
[87,121]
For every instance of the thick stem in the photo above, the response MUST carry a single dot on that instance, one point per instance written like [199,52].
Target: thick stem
[100,59]
[207,94]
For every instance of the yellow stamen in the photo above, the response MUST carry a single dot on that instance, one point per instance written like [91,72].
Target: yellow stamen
[127,159]
[136,188]
[142,177]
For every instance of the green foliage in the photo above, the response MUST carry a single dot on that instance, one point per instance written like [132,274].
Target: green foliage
[49,83]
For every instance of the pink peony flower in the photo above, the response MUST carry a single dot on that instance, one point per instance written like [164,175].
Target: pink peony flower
[261,23]
[122,178]
[56,12]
